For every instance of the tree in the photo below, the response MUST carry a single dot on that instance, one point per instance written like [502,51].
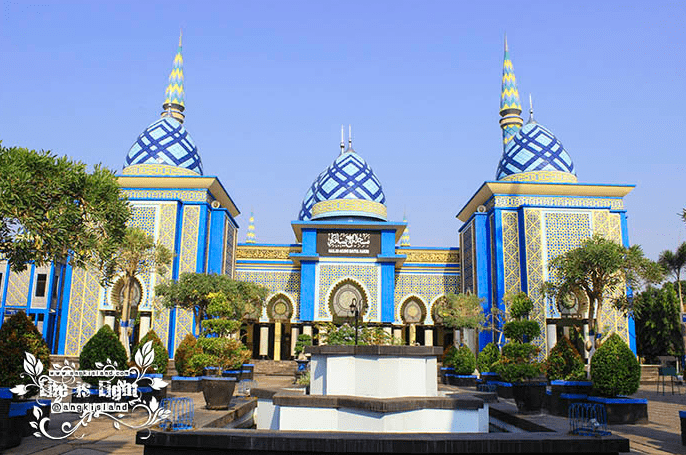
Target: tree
[657,323]
[461,311]
[673,262]
[197,291]
[600,270]
[138,254]
[51,209]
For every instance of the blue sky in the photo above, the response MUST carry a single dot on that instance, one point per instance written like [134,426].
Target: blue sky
[268,85]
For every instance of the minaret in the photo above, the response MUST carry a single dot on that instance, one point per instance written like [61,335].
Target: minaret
[405,239]
[174,96]
[510,106]
[250,236]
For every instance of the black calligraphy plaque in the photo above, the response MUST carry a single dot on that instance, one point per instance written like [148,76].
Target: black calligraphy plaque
[349,243]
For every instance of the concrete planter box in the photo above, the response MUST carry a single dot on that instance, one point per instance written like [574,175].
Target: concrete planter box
[461,380]
[489,376]
[682,417]
[186,384]
[504,389]
[529,396]
[563,393]
[444,372]
[623,410]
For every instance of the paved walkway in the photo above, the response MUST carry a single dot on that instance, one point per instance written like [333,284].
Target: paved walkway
[661,435]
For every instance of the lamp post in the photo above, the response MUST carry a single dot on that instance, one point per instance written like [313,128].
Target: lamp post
[356,312]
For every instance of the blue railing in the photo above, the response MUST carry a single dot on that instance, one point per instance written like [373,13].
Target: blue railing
[588,419]
[182,414]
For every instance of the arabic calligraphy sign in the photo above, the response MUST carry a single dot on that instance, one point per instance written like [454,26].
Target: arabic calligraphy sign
[348,243]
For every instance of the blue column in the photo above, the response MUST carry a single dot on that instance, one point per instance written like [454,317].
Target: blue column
[387,277]
[63,310]
[482,268]
[217,241]
[308,275]
[200,265]
[499,262]
[631,322]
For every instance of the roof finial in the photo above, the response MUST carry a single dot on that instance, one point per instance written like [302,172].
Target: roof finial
[510,106]
[531,110]
[174,95]
[405,239]
[350,139]
[505,41]
[250,235]
[342,139]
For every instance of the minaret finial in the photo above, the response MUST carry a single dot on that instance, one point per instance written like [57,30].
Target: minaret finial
[174,104]
[342,139]
[350,139]
[510,106]
[531,110]
[250,235]
[405,239]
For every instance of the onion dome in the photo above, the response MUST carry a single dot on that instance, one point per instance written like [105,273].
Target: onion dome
[535,154]
[165,147]
[348,187]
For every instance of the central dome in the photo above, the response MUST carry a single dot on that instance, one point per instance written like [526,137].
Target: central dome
[346,188]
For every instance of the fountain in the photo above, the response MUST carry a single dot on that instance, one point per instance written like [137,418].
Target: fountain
[372,389]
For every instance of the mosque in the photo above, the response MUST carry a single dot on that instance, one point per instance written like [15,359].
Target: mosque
[345,250]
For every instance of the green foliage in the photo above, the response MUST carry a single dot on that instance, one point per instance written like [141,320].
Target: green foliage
[488,356]
[658,331]
[161,354]
[51,209]
[564,362]
[614,368]
[600,269]
[18,334]
[225,353]
[461,311]
[330,333]
[304,379]
[462,360]
[518,361]
[303,340]
[187,349]
[229,299]
[102,346]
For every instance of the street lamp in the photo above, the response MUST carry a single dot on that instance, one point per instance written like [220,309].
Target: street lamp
[356,312]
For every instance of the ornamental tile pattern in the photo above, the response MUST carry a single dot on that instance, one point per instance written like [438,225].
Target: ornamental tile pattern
[177,195]
[555,201]
[83,310]
[156,169]
[494,269]
[143,217]
[511,261]
[18,288]
[534,270]
[468,278]
[188,256]
[285,282]
[331,274]
[167,237]
[426,287]
[229,246]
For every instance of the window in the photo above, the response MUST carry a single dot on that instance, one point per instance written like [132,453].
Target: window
[41,281]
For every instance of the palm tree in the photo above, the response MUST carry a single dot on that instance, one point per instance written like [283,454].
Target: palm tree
[674,262]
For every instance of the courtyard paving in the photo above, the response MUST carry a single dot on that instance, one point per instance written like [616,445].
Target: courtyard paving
[661,435]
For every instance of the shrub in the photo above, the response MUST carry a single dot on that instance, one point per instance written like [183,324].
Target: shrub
[186,349]
[448,353]
[489,355]
[220,352]
[462,359]
[159,365]
[564,362]
[102,346]
[344,334]
[303,340]
[18,334]
[614,368]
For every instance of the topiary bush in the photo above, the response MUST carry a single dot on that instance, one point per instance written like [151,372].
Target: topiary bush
[186,349]
[303,340]
[488,356]
[102,346]
[159,365]
[564,362]
[18,334]
[462,359]
[614,368]
[448,354]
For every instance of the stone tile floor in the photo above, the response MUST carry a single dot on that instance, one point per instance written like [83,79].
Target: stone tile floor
[661,435]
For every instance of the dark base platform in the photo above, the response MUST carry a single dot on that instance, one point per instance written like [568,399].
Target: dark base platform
[282,442]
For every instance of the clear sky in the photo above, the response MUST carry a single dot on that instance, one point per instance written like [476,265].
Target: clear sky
[269,83]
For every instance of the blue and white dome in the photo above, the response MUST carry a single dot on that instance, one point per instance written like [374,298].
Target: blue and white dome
[164,143]
[535,154]
[346,188]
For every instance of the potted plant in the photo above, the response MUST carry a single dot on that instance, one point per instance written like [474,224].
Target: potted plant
[18,335]
[188,378]
[488,356]
[616,374]
[447,370]
[299,351]
[463,361]
[565,371]
[518,364]
[159,365]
